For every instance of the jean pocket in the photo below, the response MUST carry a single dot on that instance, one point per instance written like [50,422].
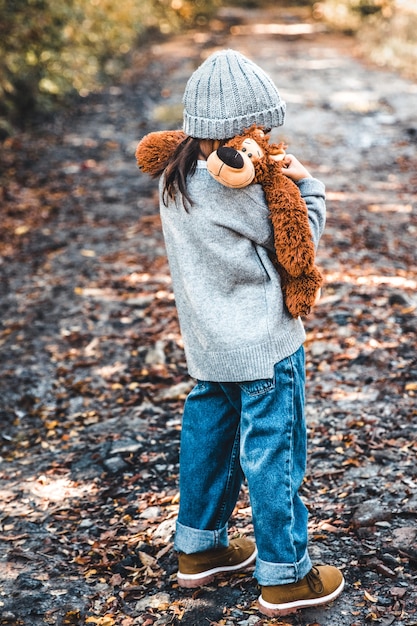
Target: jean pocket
[258,387]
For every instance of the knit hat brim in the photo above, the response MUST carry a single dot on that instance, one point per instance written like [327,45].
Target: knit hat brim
[206,128]
[227,94]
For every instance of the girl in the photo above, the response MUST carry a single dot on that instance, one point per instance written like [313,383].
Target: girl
[245,416]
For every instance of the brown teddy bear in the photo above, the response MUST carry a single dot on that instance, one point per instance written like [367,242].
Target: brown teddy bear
[251,158]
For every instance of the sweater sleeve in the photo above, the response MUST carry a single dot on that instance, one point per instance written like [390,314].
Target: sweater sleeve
[313,192]
[254,222]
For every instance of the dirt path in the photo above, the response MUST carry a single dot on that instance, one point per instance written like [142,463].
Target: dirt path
[92,369]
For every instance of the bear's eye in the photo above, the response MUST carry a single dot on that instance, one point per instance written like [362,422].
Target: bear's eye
[243,149]
[250,155]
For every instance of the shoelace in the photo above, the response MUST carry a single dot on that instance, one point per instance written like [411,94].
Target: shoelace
[314,580]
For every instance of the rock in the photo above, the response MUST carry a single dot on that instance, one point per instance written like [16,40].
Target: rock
[125,445]
[8,617]
[115,464]
[86,523]
[159,600]
[381,568]
[398,592]
[152,512]
[389,560]
[24,581]
[368,513]
[86,468]
[251,621]
[405,539]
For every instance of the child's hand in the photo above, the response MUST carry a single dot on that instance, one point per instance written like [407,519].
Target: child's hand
[292,168]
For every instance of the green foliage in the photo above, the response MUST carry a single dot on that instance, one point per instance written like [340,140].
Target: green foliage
[351,15]
[51,48]
[261,4]
[389,39]
[385,29]
[30,39]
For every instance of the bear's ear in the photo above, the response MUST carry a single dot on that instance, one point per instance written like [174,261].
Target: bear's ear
[277,151]
[155,149]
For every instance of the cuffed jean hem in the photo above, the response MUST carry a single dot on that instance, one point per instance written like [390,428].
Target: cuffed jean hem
[190,540]
[270,574]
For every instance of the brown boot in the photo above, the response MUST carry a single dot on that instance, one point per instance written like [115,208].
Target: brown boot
[321,585]
[200,568]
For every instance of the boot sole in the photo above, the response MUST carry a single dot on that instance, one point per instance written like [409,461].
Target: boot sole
[203,578]
[287,608]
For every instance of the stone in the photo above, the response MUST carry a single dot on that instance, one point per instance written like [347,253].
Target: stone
[370,512]
[153,602]
[405,539]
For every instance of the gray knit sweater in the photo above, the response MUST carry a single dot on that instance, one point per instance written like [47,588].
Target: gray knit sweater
[233,321]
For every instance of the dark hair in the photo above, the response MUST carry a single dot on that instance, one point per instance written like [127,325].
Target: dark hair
[182,163]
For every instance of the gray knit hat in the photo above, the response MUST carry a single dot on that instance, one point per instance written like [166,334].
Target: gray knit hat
[227,94]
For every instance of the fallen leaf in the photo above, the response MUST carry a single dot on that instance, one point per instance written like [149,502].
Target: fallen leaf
[146,559]
[369,597]
[106,620]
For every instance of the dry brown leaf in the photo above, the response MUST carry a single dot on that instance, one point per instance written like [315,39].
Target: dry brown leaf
[106,620]
[146,559]
[369,597]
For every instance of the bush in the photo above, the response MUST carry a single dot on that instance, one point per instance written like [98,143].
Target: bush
[51,48]
[350,15]
[385,29]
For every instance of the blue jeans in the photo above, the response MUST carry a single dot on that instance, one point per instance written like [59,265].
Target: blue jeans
[255,430]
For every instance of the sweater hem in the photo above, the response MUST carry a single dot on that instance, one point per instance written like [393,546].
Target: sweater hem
[249,362]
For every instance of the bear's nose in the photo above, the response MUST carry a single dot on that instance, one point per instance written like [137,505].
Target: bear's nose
[230,157]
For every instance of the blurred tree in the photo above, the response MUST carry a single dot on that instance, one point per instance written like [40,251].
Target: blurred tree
[50,48]
[351,15]
[31,37]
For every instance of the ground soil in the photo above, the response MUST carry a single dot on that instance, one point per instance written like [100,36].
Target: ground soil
[92,367]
